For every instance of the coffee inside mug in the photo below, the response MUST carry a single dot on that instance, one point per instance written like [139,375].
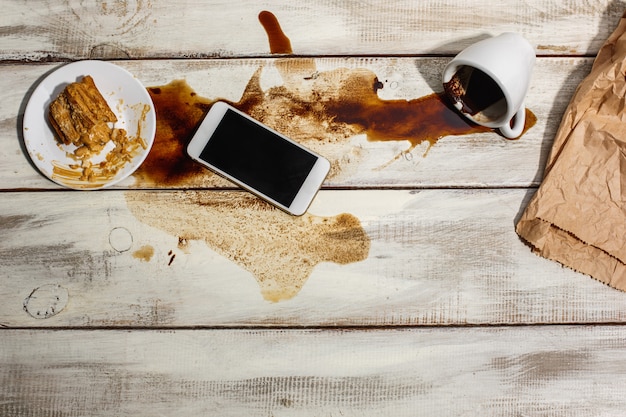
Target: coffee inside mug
[477,95]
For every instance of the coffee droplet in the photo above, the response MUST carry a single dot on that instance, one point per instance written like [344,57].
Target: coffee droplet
[46,301]
[326,110]
[144,253]
[279,42]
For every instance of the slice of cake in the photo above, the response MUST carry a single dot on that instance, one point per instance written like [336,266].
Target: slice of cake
[81,116]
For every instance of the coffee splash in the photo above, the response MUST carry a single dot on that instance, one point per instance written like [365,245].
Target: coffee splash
[280,250]
[279,42]
[322,110]
[259,238]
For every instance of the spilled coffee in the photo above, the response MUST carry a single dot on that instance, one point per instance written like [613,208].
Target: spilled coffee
[476,94]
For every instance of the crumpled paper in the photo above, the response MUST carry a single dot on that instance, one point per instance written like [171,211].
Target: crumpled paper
[578,215]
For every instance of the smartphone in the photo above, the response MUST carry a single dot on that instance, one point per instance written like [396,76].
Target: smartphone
[258,159]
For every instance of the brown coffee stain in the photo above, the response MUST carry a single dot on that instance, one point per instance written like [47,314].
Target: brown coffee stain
[279,42]
[322,110]
[325,109]
[178,111]
[280,250]
[145,253]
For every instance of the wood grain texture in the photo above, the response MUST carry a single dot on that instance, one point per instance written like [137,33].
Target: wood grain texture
[404,291]
[435,257]
[504,372]
[480,160]
[141,29]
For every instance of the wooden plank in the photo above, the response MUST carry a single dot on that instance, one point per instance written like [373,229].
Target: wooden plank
[479,159]
[162,29]
[504,372]
[208,258]
[184,298]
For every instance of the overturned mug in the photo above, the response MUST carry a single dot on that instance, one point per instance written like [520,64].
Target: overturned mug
[488,82]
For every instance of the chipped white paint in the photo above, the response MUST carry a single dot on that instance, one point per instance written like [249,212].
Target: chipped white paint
[491,372]
[436,257]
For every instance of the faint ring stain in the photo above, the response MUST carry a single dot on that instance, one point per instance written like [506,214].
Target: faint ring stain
[108,51]
[113,19]
[120,239]
[46,301]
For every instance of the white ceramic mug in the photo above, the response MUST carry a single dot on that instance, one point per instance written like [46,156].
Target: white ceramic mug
[488,82]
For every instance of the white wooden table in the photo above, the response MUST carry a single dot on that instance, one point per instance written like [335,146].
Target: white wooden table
[153,298]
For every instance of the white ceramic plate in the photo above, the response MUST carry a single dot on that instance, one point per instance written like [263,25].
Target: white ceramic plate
[126,97]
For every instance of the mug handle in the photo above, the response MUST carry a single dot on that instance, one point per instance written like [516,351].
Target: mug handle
[519,120]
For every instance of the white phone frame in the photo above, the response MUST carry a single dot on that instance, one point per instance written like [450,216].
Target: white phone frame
[307,191]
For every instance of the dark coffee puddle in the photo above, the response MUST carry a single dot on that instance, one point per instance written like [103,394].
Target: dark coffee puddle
[331,107]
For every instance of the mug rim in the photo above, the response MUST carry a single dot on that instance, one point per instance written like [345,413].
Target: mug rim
[452,68]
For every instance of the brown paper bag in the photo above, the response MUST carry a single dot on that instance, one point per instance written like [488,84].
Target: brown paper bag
[578,215]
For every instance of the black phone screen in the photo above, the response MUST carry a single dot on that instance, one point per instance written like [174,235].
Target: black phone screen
[258,158]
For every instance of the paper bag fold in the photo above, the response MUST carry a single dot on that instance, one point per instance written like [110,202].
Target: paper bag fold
[578,215]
